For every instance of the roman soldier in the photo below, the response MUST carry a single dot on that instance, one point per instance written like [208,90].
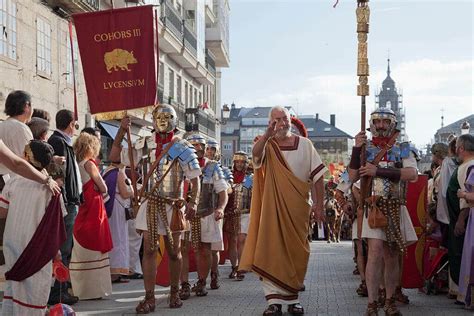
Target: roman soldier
[386,222]
[206,227]
[163,208]
[237,214]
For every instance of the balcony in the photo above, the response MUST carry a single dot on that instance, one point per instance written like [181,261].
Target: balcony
[210,62]
[200,121]
[75,6]
[189,39]
[172,20]
[217,35]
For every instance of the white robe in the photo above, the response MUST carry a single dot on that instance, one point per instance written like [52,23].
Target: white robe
[30,296]
[120,254]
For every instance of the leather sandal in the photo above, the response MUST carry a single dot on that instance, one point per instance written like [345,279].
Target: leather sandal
[215,281]
[273,310]
[372,309]
[185,291]
[400,297]
[362,289]
[174,300]
[200,288]
[382,297]
[147,305]
[390,308]
[233,273]
[240,276]
[296,309]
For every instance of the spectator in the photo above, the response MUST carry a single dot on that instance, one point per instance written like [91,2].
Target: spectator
[41,114]
[61,140]
[39,128]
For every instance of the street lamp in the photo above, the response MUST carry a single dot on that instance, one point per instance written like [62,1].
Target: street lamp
[465,128]
[225,113]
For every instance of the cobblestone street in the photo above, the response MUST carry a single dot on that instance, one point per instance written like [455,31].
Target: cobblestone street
[330,290]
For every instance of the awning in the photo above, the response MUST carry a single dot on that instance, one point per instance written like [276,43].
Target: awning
[111,129]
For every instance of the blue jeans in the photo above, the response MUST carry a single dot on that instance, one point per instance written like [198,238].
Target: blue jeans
[66,247]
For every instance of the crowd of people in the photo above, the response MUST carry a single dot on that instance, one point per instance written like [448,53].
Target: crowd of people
[60,205]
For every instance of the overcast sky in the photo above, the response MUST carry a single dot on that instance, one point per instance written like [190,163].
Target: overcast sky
[303,53]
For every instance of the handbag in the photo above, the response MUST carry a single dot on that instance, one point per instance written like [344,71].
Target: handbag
[128,211]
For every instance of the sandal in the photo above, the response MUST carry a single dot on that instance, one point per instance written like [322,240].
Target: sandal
[233,273]
[240,276]
[382,297]
[273,310]
[185,291]
[400,297]
[391,308]
[372,309]
[296,309]
[148,304]
[174,300]
[200,288]
[215,281]
[362,289]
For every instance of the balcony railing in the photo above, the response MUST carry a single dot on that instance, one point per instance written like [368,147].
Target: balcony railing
[75,6]
[210,62]
[189,39]
[172,20]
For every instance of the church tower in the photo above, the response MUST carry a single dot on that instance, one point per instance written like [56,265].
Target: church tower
[388,97]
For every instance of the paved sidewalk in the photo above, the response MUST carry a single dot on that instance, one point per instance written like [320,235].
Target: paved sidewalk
[330,290]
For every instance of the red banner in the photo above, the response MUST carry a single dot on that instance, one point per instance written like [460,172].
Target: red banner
[118,58]
[412,276]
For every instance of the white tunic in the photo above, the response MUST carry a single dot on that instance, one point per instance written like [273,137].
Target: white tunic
[30,296]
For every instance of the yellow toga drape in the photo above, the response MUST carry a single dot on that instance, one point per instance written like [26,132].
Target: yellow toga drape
[277,246]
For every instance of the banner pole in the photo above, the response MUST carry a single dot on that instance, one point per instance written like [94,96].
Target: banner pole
[76,116]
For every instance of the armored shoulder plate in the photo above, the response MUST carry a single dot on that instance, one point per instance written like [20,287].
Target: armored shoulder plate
[248,181]
[344,177]
[213,170]
[228,175]
[406,148]
[186,154]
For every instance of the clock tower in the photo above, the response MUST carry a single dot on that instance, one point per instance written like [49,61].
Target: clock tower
[389,97]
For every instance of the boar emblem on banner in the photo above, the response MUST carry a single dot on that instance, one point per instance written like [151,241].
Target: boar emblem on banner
[119,59]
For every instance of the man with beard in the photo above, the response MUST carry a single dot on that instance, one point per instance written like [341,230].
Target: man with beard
[237,212]
[287,169]
[206,227]
[390,167]
[458,208]
[163,209]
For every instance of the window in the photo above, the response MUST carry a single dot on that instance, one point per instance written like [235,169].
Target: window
[161,77]
[171,84]
[69,70]
[8,29]
[195,97]
[43,47]
[186,94]
[178,89]
[191,102]
[227,146]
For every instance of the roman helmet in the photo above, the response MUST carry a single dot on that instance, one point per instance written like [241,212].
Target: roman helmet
[196,138]
[383,114]
[212,143]
[159,112]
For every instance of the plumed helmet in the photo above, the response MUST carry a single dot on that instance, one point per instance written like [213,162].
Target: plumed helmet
[383,114]
[165,108]
[196,138]
[240,156]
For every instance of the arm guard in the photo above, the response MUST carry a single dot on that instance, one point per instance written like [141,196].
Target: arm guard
[355,158]
[392,174]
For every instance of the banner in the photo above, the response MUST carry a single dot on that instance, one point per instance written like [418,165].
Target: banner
[412,276]
[118,58]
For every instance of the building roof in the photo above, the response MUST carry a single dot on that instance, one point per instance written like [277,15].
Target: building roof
[236,133]
[259,111]
[319,128]
[455,128]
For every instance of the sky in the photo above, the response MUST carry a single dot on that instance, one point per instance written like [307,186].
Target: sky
[303,53]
